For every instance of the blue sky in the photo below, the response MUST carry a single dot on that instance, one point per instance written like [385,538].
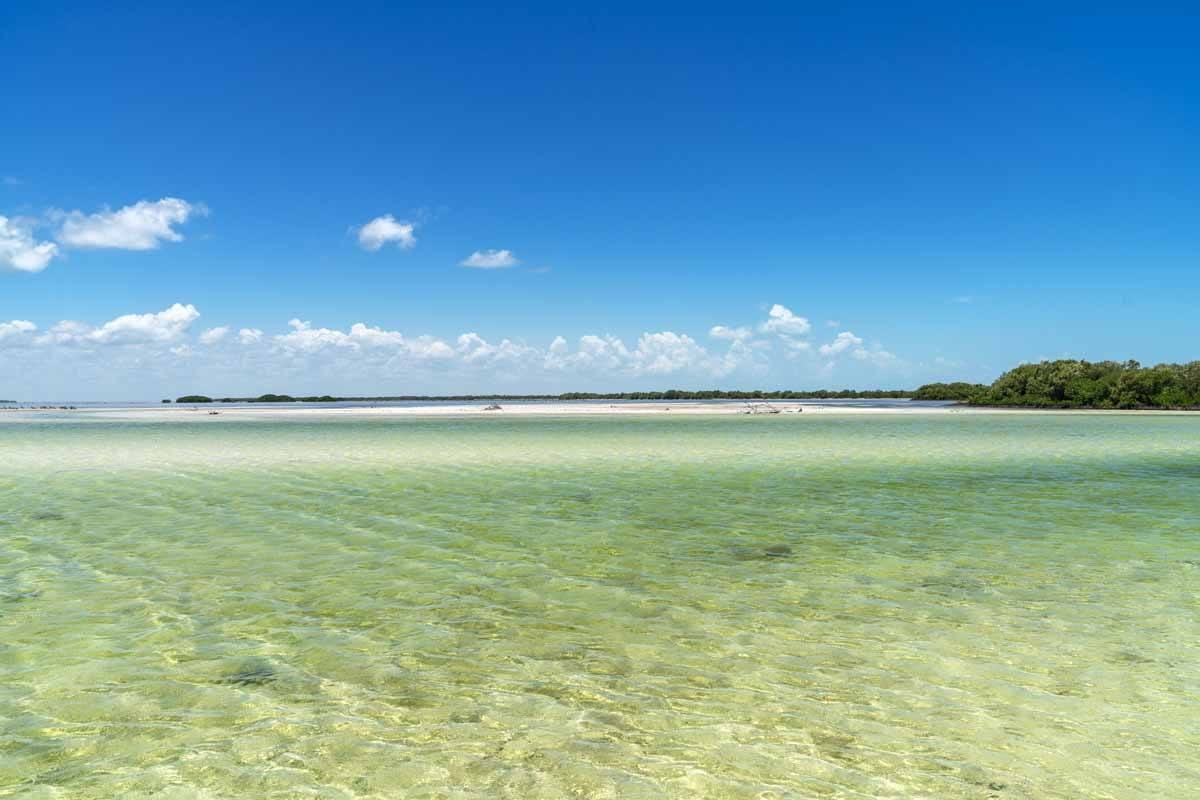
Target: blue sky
[958,189]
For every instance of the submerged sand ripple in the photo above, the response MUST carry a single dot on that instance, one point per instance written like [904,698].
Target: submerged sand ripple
[950,607]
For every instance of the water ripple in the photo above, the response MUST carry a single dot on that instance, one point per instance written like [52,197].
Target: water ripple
[983,607]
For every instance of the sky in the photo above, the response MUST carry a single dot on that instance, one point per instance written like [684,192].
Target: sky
[379,198]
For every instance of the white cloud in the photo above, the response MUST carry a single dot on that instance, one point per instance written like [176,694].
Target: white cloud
[659,353]
[847,343]
[305,339]
[602,353]
[490,259]
[164,326]
[382,230]
[214,335]
[65,332]
[842,342]
[963,299]
[375,337]
[832,323]
[788,328]
[15,329]
[474,348]
[141,226]
[733,334]
[20,250]
[876,355]
[782,320]
[429,348]
[795,346]
[317,359]
[556,354]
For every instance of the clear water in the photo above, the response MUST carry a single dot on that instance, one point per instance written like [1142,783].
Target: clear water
[942,606]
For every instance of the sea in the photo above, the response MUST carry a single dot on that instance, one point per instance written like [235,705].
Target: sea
[794,606]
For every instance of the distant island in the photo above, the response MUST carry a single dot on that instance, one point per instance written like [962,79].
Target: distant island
[670,394]
[1073,383]
[1065,383]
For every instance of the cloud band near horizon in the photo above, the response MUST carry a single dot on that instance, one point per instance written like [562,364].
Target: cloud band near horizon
[169,341]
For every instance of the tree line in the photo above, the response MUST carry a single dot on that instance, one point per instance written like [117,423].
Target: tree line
[1065,383]
[670,394]
[1073,383]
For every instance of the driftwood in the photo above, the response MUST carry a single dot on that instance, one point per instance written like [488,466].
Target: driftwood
[761,408]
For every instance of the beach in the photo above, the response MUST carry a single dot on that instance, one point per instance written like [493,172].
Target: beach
[358,410]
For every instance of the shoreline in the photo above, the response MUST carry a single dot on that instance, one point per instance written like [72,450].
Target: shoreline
[803,409]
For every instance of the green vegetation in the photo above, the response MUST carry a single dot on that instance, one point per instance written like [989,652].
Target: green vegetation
[718,394]
[1069,383]
[671,394]
[283,398]
[1064,383]
[959,391]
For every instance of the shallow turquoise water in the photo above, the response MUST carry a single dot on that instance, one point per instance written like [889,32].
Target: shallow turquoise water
[956,606]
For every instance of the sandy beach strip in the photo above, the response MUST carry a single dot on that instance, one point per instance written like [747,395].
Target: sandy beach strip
[798,409]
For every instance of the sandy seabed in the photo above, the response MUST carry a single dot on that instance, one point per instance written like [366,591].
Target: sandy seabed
[642,604]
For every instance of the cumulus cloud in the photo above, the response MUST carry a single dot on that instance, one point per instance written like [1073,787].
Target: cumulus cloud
[842,342]
[661,353]
[383,230]
[375,336]
[877,356]
[490,259]
[595,353]
[472,347]
[846,343]
[65,332]
[164,326]
[19,248]
[666,352]
[141,226]
[794,347]
[15,329]
[732,334]
[305,339]
[364,354]
[214,335]
[658,353]
[161,327]
[780,319]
